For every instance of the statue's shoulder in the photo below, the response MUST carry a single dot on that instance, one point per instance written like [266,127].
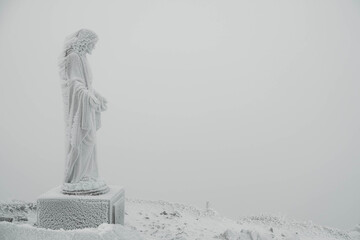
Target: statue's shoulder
[73,58]
[73,55]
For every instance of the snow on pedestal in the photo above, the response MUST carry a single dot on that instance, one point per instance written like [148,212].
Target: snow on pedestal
[56,210]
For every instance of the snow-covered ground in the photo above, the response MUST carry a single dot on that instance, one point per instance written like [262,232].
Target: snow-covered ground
[163,220]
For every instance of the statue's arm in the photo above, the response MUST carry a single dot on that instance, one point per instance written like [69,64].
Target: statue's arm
[76,76]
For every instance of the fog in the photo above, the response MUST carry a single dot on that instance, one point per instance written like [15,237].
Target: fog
[250,105]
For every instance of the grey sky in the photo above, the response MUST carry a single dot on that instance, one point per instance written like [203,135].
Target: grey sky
[251,105]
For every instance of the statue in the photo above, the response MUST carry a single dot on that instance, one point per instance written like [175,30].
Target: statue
[83,107]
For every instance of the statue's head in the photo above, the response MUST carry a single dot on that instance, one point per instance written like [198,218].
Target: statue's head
[82,42]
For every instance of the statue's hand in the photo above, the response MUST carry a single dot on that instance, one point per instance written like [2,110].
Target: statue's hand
[103,103]
[103,107]
[101,98]
[95,101]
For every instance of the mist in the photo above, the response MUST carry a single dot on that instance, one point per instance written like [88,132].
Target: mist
[250,105]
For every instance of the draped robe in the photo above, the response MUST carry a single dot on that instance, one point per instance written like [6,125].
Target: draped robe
[82,116]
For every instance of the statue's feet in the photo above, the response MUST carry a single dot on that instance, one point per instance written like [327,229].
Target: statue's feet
[85,187]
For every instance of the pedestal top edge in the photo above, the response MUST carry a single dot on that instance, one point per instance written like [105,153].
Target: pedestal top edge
[56,193]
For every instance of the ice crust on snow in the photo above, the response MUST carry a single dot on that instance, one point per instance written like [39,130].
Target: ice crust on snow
[173,221]
[355,233]
[149,219]
[9,231]
[244,235]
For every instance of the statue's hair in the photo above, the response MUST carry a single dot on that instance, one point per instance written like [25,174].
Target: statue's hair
[76,42]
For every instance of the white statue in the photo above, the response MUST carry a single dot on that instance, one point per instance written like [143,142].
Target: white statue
[83,106]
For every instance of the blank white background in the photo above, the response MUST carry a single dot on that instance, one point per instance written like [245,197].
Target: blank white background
[251,105]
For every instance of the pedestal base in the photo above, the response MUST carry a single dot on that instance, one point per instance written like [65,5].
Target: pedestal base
[56,210]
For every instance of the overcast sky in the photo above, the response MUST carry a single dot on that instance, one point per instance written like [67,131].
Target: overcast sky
[251,105]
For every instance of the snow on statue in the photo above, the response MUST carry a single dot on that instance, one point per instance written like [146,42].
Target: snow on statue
[83,107]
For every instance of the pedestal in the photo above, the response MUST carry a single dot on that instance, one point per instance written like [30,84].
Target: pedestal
[56,210]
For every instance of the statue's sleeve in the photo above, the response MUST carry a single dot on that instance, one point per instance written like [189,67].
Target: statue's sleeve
[75,73]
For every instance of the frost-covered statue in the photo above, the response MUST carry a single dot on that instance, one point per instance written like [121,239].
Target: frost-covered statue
[83,106]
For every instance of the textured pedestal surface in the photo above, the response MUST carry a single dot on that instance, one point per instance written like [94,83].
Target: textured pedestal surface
[56,210]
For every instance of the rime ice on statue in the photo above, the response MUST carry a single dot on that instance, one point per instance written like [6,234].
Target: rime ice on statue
[57,210]
[84,200]
[83,106]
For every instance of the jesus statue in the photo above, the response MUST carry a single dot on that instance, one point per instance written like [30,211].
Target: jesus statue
[83,107]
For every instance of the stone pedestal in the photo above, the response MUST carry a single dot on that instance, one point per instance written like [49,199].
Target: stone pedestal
[56,210]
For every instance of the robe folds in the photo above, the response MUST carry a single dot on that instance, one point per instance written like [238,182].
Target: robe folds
[83,108]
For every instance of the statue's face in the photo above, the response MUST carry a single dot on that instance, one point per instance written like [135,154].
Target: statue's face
[90,47]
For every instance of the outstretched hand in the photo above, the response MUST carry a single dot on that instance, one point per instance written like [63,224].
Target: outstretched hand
[102,102]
